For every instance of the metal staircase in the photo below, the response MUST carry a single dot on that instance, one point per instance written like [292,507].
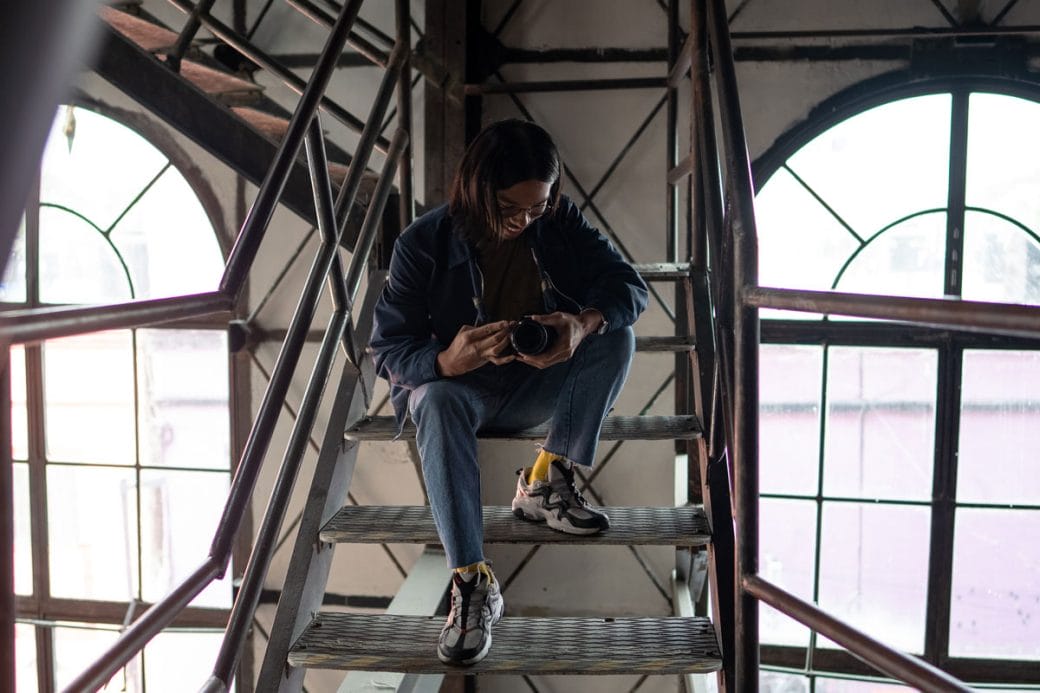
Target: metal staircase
[715,343]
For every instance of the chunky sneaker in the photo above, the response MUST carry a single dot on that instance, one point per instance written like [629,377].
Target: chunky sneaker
[476,605]
[557,502]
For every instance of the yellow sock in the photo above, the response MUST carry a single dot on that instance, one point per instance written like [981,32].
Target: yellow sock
[482,567]
[540,470]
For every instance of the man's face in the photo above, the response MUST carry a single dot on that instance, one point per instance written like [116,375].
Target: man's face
[521,204]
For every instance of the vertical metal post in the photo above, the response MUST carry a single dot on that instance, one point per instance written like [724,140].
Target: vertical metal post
[7,658]
[672,140]
[744,454]
[404,112]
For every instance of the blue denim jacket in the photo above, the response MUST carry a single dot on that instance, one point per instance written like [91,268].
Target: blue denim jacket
[435,287]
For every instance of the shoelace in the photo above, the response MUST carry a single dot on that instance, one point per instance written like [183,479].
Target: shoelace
[472,615]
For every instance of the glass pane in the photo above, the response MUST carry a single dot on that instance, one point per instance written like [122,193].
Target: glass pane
[183,389]
[847,686]
[92,516]
[906,260]
[25,657]
[995,609]
[77,647]
[169,254]
[789,219]
[789,429]
[12,286]
[103,168]
[175,662]
[874,570]
[1003,147]
[23,574]
[775,682]
[179,514]
[19,409]
[1001,261]
[786,554]
[880,427]
[76,263]
[883,164]
[1000,427]
[89,391]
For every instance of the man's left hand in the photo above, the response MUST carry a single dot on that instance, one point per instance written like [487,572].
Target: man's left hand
[571,330]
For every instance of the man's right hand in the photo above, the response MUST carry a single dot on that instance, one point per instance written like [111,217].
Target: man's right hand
[475,346]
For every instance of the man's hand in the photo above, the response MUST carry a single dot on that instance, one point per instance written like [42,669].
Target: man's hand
[570,330]
[475,346]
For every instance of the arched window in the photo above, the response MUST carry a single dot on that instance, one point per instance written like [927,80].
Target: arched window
[900,478]
[120,438]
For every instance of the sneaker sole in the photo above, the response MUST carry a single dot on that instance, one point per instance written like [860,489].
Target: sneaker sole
[556,524]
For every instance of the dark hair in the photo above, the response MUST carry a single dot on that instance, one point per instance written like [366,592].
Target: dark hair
[503,154]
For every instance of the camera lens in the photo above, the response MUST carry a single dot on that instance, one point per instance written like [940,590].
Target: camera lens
[531,338]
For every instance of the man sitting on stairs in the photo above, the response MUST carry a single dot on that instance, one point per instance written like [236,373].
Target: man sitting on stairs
[448,335]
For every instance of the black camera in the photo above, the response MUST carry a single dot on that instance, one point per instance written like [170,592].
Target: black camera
[531,338]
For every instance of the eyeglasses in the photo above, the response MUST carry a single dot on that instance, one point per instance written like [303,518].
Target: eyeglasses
[533,212]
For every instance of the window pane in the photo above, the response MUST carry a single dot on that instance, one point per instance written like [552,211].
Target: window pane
[179,514]
[12,288]
[89,391]
[183,378]
[76,648]
[25,657]
[883,164]
[786,553]
[1003,147]
[169,254]
[789,429]
[906,260]
[880,426]
[1000,427]
[101,171]
[789,220]
[874,570]
[23,582]
[92,516]
[775,682]
[19,411]
[995,609]
[1001,261]
[175,662]
[76,264]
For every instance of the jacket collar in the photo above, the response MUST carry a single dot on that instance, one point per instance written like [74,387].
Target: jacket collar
[458,249]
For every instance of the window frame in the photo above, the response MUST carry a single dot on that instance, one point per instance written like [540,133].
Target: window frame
[40,610]
[950,346]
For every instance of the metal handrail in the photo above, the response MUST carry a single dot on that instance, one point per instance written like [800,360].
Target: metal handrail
[1012,319]
[38,324]
[239,262]
[742,322]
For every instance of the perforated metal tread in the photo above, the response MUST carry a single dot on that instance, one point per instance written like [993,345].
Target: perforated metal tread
[614,428]
[662,271]
[413,524]
[665,343]
[671,645]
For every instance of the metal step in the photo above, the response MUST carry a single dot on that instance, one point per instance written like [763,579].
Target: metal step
[614,428]
[413,524]
[663,271]
[665,343]
[151,37]
[520,646]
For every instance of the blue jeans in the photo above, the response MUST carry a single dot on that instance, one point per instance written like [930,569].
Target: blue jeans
[574,397]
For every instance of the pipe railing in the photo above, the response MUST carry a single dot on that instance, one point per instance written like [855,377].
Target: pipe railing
[39,324]
[740,269]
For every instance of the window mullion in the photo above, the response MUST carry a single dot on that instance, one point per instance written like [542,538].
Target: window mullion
[953,276]
[944,490]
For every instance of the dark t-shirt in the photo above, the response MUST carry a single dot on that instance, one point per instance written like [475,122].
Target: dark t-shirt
[512,284]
